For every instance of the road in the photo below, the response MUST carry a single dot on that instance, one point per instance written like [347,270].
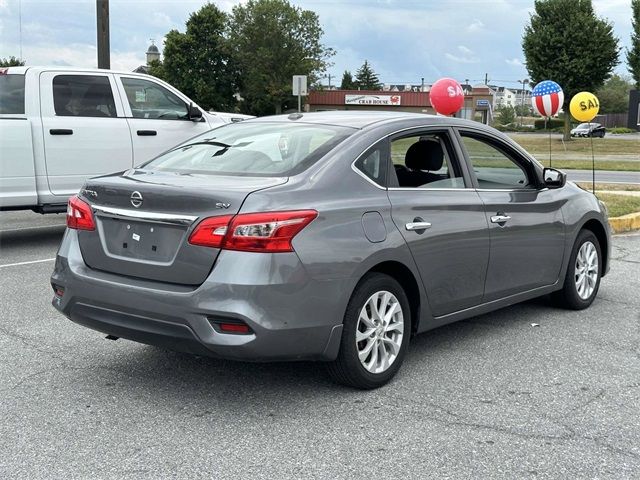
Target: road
[490,397]
[604,176]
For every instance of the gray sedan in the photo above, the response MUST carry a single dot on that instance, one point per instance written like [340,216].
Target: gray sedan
[330,236]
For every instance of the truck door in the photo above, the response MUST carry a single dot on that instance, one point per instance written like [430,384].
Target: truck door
[158,117]
[85,132]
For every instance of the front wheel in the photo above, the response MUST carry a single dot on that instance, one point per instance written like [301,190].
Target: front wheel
[582,280]
[375,335]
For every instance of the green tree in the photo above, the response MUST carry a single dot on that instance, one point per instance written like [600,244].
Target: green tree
[198,62]
[11,62]
[347,81]
[614,95]
[566,42]
[273,40]
[506,114]
[523,110]
[366,78]
[633,54]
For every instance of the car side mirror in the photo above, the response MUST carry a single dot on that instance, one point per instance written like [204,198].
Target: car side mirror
[554,178]
[194,114]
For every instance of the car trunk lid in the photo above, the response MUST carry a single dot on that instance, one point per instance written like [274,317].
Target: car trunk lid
[144,219]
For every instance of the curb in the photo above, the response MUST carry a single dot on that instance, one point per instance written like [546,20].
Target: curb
[625,223]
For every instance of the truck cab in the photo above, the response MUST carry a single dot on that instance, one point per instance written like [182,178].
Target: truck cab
[60,126]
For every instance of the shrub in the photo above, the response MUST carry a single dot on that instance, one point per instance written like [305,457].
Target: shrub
[552,123]
[620,130]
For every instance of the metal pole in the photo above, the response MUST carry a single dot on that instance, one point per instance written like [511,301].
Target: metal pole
[299,96]
[102,26]
[522,103]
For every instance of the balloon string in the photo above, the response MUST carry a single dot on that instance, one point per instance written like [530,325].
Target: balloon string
[549,132]
[593,163]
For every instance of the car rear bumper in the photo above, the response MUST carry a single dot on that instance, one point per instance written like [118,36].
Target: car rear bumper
[286,310]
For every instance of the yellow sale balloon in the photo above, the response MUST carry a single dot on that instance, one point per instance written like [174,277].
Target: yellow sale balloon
[584,106]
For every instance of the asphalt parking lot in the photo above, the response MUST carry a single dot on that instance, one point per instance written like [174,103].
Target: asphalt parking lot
[490,397]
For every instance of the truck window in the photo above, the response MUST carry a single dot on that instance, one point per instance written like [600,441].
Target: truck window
[11,93]
[83,96]
[150,100]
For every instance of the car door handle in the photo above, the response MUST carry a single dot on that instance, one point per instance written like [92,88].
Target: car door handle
[147,133]
[500,218]
[412,226]
[61,131]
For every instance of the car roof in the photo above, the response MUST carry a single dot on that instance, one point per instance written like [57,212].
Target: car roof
[363,119]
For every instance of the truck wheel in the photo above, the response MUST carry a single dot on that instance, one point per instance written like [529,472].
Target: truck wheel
[375,337]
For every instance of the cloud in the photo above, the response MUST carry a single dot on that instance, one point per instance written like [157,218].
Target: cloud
[465,55]
[475,26]
[514,62]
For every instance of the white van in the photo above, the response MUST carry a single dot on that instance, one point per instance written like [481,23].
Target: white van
[60,126]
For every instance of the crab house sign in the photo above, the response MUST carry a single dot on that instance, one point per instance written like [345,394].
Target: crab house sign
[393,100]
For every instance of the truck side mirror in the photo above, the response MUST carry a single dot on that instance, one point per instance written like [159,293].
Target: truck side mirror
[194,114]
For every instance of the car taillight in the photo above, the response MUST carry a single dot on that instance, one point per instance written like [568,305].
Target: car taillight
[253,232]
[211,231]
[79,215]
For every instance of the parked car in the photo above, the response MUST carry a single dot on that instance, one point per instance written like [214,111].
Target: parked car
[60,126]
[330,236]
[588,130]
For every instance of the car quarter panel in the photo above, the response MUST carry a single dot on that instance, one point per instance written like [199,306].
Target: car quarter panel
[335,245]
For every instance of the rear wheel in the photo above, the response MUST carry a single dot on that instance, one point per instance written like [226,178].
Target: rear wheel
[582,280]
[376,333]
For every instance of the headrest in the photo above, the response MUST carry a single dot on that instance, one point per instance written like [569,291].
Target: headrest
[425,155]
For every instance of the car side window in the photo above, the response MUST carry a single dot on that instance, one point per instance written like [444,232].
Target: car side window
[374,164]
[493,167]
[83,96]
[425,161]
[152,101]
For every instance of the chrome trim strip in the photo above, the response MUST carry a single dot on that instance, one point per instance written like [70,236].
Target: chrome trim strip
[419,189]
[146,216]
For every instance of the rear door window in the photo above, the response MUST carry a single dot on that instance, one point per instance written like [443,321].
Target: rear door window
[11,94]
[83,96]
[425,160]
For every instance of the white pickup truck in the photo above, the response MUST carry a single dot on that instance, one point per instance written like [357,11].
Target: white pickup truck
[60,126]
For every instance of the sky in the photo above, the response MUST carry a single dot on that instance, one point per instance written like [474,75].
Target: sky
[404,40]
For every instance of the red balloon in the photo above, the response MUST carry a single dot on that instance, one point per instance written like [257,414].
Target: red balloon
[446,96]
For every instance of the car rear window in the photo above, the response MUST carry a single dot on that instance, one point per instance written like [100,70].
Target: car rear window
[11,94]
[256,149]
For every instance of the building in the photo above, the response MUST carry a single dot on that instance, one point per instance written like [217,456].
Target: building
[511,97]
[477,105]
[152,54]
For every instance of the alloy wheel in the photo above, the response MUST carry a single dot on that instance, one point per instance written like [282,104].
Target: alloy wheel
[586,270]
[379,331]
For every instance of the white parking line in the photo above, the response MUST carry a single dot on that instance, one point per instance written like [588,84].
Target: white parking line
[33,228]
[27,263]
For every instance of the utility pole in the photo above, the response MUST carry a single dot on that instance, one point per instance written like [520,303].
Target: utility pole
[486,79]
[422,84]
[329,75]
[102,24]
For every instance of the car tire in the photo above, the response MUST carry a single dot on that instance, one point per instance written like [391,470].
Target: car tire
[582,279]
[387,339]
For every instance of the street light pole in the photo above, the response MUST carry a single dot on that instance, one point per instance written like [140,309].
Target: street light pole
[523,82]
